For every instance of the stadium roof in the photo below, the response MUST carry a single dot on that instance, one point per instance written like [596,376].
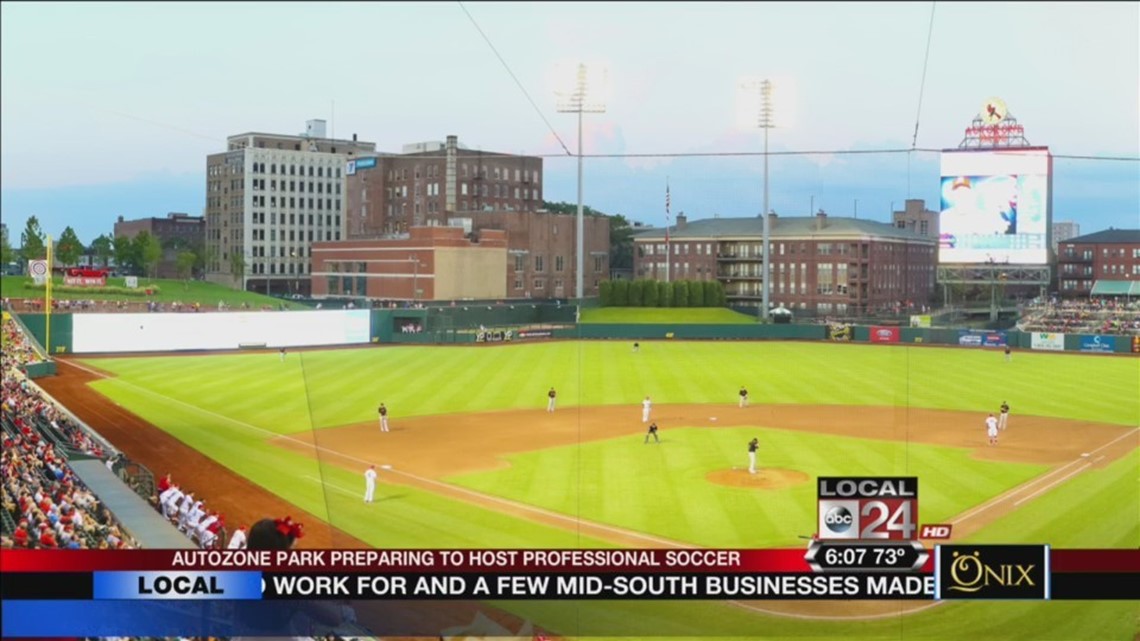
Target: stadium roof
[1108,236]
[790,227]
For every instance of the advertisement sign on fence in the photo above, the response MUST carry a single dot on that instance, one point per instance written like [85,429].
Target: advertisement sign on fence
[981,338]
[1136,344]
[1099,344]
[884,334]
[85,281]
[920,321]
[1047,341]
[38,269]
[838,332]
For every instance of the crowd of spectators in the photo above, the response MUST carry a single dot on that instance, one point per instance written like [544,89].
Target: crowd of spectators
[1096,316]
[18,352]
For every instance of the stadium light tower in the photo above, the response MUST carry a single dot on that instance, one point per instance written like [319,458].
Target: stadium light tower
[764,121]
[578,101]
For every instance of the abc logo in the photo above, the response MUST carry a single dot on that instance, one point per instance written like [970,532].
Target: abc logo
[838,519]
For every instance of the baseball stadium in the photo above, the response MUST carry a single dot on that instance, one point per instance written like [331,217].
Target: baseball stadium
[477,455]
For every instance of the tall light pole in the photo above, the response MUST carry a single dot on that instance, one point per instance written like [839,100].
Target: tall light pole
[576,102]
[765,121]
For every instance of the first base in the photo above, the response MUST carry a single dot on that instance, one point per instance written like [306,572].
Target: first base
[712,418]
[385,467]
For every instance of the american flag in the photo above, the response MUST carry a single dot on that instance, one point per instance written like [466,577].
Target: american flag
[666,212]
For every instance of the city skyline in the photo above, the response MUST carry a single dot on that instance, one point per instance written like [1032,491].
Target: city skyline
[128,135]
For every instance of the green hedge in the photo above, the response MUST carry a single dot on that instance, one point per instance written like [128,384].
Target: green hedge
[119,291]
[652,293]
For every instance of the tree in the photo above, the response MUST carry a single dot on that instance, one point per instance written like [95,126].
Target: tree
[184,263]
[636,289]
[712,293]
[102,248]
[127,258]
[32,245]
[149,252]
[237,267]
[649,294]
[621,243]
[696,293]
[606,293]
[6,253]
[68,249]
[680,293]
[664,294]
[621,293]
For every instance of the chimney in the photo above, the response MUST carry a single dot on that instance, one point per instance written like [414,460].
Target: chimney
[681,220]
[821,219]
[772,218]
[353,137]
[449,173]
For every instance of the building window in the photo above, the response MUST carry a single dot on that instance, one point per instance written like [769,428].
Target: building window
[538,263]
[558,263]
[518,283]
[599,261]
[539,283]
[520,264]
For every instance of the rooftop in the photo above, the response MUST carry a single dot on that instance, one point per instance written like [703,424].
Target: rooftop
[1108,236]
[781,227]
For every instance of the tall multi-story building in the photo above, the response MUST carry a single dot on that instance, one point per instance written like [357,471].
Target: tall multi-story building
[390,193]
[268,198]
[820,264]
[1101,263]
[917,218]
[175,232]
[1064,230]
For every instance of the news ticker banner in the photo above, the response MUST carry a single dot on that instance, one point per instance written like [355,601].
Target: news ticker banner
[215,593]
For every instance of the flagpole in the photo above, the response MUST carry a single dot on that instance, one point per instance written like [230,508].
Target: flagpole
[668,246]
[47,302]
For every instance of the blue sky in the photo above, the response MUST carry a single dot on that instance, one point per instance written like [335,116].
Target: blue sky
[110,109]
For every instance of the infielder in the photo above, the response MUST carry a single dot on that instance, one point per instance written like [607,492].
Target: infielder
[753,445]
[652,432]
[282,354]
[1003,416]
[383,418]
[369,483]
[992,429]
[550,400]
[743,396]
[646,405]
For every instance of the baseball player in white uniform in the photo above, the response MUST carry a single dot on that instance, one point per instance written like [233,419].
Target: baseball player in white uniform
[237,541]
[383,418]
[1003,416]
[743,396]
[369,483]
[550,396]
[646,405]
[753,445]
[992,429]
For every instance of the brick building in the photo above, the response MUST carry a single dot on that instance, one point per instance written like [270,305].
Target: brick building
[917,218]
[268,198]
[390,193]
[819,264]
[428,263]
[1102,263]
[175,232]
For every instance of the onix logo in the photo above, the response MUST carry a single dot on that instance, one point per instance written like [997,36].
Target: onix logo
[992,572]
[838,519]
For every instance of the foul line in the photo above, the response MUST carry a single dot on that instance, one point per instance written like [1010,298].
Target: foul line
[332,485]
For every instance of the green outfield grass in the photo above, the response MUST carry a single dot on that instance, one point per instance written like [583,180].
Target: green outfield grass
[228,406]
[681,315]
[169,290]
[661,489]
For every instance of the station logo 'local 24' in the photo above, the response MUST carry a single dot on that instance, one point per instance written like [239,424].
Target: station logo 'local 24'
[868,508]
[992,572]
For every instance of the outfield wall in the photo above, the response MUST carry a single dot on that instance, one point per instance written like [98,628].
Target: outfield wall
[125,333]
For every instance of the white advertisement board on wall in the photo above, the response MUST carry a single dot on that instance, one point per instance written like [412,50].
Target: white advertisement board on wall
[1047,341]
[163,332]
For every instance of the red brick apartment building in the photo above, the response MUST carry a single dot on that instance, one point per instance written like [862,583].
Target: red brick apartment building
[184,229]
[820,264]
[429,263]
[1104,263]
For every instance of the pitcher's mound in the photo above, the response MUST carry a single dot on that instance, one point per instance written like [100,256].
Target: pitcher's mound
[765,478]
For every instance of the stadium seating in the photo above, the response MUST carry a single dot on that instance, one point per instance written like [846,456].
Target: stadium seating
[1101,316]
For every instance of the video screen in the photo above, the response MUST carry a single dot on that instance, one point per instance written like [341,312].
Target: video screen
[995,207]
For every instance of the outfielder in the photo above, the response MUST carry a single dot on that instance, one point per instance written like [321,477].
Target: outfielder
[369,483]
[383,418]
[753,445]
[646,405]
[1003,416]
[1008,354]
[992,429]
[743,396]
[550,400]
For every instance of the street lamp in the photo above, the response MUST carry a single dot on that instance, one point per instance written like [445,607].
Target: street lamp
[576,101]
[764,121]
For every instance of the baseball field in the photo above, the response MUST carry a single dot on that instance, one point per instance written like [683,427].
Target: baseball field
[477,461]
